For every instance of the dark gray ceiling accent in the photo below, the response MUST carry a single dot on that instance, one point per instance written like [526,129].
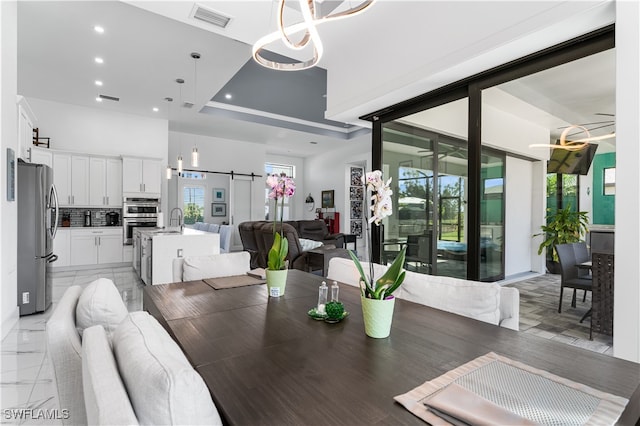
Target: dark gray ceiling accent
[297,94]
[346,133]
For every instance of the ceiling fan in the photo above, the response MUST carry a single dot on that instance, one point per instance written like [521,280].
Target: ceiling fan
[595,125]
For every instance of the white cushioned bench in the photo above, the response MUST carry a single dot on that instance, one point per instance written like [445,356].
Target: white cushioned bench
[193,268]
[488,302]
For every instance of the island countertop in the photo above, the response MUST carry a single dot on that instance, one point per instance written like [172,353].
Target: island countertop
[168,244]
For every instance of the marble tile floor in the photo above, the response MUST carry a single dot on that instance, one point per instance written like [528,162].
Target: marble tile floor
[539,315]
[26,376]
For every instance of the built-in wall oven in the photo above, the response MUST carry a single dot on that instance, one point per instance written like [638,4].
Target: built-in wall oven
[139,212]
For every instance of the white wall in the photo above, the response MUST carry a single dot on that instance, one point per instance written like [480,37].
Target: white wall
[626,332]
[99,131]
[222,155]
[328,171]
[8,139]
[518,221]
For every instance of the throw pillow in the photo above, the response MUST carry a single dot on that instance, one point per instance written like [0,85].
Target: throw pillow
[105,396]
[162,385]
[100,304]
[309,244]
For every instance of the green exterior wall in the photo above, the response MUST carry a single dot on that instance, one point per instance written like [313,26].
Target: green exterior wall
[603,208]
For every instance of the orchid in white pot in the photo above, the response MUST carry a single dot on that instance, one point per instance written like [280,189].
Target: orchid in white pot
[281,186]
[382,207]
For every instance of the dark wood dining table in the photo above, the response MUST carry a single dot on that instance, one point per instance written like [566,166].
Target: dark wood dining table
[265,361]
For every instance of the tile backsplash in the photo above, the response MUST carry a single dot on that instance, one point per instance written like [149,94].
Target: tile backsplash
[76,216]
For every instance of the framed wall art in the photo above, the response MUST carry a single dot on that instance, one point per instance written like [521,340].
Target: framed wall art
[218,195]
[218,209]
[327,199]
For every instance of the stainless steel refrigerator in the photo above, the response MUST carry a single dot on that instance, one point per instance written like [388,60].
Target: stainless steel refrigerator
[37,225]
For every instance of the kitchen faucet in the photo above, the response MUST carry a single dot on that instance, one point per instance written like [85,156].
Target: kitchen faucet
[180,223]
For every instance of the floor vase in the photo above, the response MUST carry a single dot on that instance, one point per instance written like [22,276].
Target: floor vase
[378,315]
[276,282]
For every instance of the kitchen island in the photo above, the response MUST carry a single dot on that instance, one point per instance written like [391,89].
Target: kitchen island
[158,248]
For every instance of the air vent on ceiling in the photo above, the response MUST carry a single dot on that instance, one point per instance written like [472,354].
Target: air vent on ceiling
[109,98]
[187,104]
[210,16]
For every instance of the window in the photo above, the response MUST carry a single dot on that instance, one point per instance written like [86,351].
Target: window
[609,181]
[193,204]
[270,169]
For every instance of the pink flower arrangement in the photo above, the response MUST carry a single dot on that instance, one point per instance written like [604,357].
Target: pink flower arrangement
[281,186]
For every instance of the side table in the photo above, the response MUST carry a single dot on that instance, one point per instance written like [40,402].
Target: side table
[351,238]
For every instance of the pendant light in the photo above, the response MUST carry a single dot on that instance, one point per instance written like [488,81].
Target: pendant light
[169,100]
[180,83]
[194,151]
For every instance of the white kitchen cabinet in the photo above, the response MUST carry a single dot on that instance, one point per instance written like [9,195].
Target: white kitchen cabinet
[92,246]
[114,182]
[105,182]
[26,123]
[40,156]
[80,180]
[62,247]
[141,177]
[71,177]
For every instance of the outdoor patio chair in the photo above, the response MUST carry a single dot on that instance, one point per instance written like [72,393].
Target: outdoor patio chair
[569,271]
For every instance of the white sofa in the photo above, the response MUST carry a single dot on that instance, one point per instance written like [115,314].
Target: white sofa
[193,268]
[99,303]
[488,302]
[145,378]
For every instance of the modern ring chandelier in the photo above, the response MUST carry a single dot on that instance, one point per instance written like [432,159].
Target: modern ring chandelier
[311,20]
[575,145]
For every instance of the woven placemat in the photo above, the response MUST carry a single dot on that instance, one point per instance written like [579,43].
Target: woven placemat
[232,281]
[533,394]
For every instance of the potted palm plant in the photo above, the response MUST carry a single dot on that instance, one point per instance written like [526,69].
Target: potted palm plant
[563,226]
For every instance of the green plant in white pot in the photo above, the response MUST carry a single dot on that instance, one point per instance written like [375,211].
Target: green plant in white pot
[377,296]
[281,186]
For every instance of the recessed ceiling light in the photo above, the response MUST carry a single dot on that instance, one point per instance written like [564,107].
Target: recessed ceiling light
[98,99]
[313,143]
[98,29]
[228,96]
[155,109]
[99,60]
[98,83]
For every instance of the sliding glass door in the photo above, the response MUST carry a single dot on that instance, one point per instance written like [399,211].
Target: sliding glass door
[427,157]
